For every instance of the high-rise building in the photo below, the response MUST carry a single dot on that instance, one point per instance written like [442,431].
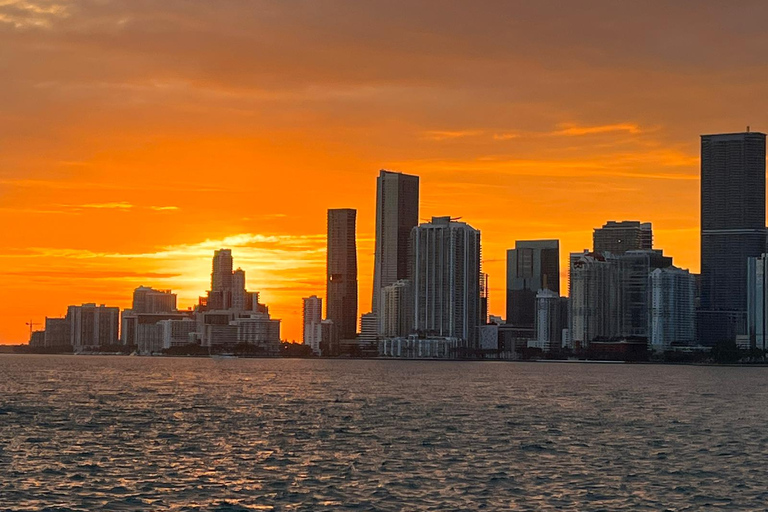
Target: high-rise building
[551,319]
[369,330]
[57,332]
[92,326]
[634,267]
[446,279]
[397,213]
[732,229]
[239,295]
[620,237]
[532,265]
[672,311]
[396,309]
[221,276]
[329,339]
[341,271]
[149,300]
[312,316]
[593,298]
[757,301]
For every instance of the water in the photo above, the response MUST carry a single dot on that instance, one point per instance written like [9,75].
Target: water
[129,433]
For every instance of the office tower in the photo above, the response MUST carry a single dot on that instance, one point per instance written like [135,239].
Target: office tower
[593,298]
[396,309]
[732,229]
[93,326]
[620,237]
[312,316]
[397,213]
[341,292]
[149,300]
[672,309]
[532,265]
[551,319]
[485,293]
[447,279]
[757,301]
[329,339]
[634,267]
[221,276]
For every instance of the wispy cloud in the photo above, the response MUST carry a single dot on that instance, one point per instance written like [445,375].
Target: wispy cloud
[450,134]
[575,130]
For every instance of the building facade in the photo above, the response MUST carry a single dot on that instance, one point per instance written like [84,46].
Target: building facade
[149,300]
[92,326]
[396,309]
[312,314]
[620,237]
[341,271]
[732,229]
[447,279]
[551,319]
[757,301]
[532,265]
[397,213]
[593,299]
[672,311]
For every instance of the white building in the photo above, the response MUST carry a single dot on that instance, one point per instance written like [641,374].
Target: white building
[447,280]
[93,326]
[414,347]
[672,309]
[551,319]
[313,316]
[396,309]
[594,299]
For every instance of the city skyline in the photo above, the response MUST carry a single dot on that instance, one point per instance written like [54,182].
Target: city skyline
[131,173]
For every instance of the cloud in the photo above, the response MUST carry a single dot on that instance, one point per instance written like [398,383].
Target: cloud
[447,134]
[574,130]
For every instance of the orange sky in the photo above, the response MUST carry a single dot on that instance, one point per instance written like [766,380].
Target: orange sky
[136,137]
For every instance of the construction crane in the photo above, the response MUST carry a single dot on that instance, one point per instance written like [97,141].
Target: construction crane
[32,325]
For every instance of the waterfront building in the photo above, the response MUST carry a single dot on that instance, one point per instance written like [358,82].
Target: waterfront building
[672,308]
[396,309]
[757,302]
[620,237]
[37,339]
[447,279]
[369,329]
[732,229]
[92,326]
[532,265]
[414,347]
[551,319]
[593,298]
[144,332]
[149,300]
[634,267]
[329,338]
[57,332]
[312,313]
[397,213]
[341,271]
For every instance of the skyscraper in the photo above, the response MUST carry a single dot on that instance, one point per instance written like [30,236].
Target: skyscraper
[732,228]
[397,213]
[341,271]
[221,276]
[620,237]
[149,300]
[672,310]
[446,279]
[532,265]
[313,315]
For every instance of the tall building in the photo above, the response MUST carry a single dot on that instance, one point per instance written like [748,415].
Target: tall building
[221,276]
[396,309]
[239,295]
[312,316]
[92,326]
[593,299]
[532,265]
[634,267]
[757,301]
[732,229]
[447,279]
[149,300]
[620,237]
[341,271]
[57,332]
[672,309]
[397,213]
[551,319]
[369,329]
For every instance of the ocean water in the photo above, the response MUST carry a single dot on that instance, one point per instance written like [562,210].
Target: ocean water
[131,433]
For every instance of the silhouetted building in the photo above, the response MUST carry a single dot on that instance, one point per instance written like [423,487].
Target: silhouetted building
[620,237]
[341,296]
[485,294]
[37,339]
[329,340]
[732,229]
[532,265]
[92,326]
[57,332]
[634,290]
[397,213]
[312,313]
[447,279]
[593,299]
[149,300]
[369,330]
